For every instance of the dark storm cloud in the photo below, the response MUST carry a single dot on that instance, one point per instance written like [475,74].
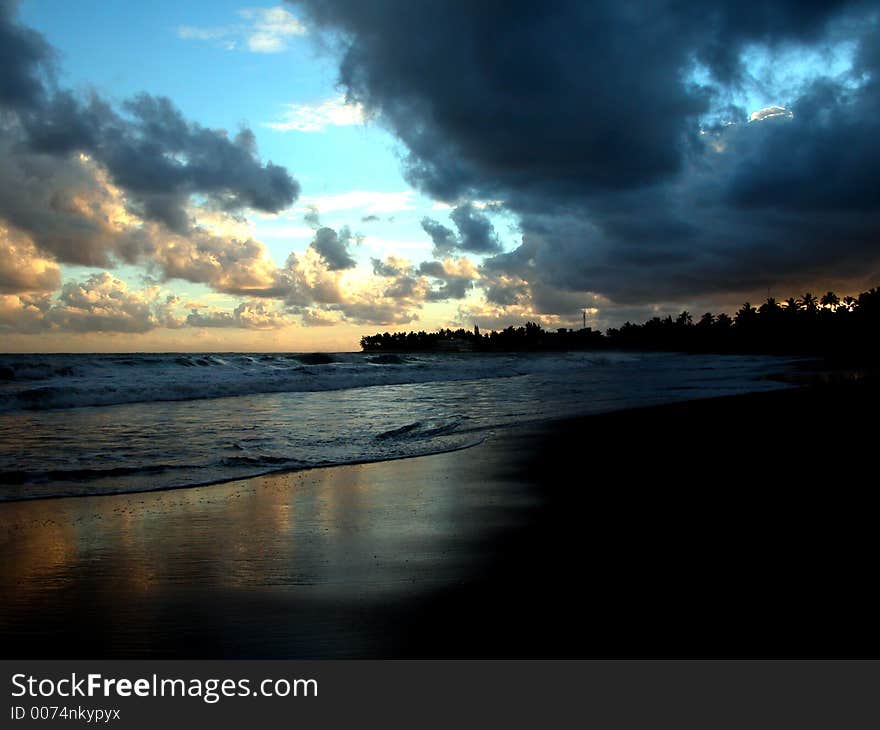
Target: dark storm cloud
[475,233]
[569,97]
[832,141]
[24,58]
[158,158]
[443,238]
[505,292]
[788,203]
[333,248]
[602,125]
[520,95]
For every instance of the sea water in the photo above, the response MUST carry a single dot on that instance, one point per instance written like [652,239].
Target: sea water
[100,424]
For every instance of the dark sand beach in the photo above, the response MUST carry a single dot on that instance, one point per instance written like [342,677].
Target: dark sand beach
[730,527]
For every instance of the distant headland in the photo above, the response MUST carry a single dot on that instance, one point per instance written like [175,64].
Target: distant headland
[846,328]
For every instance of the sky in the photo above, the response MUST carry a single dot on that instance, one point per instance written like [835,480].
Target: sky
[290,176]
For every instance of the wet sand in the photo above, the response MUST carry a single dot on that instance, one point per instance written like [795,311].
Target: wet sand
[740,526]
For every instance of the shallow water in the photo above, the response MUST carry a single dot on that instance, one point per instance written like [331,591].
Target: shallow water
[98,424]
[312,564]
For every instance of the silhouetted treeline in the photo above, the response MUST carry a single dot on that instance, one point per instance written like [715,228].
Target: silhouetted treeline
[530,337]
[826,325]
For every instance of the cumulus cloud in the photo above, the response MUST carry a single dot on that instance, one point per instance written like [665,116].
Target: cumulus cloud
[404,282]
[605,128]
[229,265]
[56,146]
[86,182]
[391,266]
[99,303]
[430,281]
[454,276]
[393,296]
[317,116]
[314,317]
[308,281]
[23,313]
[488,317]
[247,315]
[368,310]
[271,29]
[22,268]
[264,30]
[103,303]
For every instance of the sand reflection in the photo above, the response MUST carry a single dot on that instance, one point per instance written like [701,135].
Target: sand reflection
[295,548]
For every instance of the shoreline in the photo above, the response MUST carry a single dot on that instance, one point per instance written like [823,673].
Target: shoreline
[786,380]
[228,480]
[645,532]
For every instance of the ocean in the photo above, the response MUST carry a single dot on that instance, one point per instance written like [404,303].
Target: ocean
[75,425]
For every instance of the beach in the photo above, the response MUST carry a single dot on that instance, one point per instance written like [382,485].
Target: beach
[725,527]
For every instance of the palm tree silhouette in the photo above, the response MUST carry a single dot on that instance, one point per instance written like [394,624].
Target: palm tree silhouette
[723,320]
[808,302]
[830,300]
[746,315]
[707,320]
[770,307]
